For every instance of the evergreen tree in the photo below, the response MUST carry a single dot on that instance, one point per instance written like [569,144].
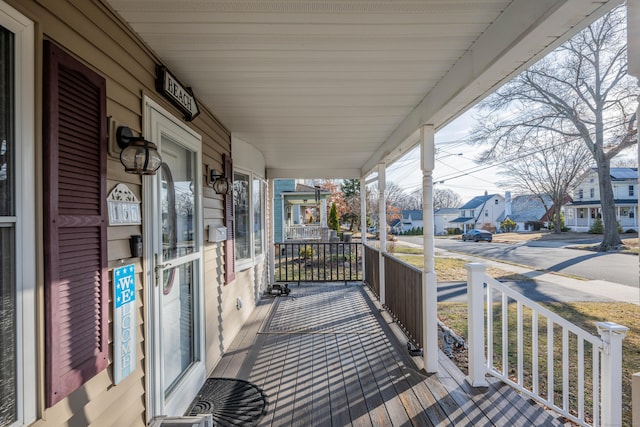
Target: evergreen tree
[334,223]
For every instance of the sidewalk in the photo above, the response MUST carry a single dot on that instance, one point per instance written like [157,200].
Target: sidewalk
[554,286]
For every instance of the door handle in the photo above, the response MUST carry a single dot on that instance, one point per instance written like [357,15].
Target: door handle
[162,266]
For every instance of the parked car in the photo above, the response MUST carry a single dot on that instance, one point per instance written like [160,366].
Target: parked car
[477,235]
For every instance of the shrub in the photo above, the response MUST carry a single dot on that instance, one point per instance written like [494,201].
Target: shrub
[508,225]
[489,227]
[597,227]
[306,252]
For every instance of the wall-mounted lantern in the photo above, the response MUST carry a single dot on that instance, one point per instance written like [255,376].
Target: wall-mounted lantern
[138,155]
[218,181]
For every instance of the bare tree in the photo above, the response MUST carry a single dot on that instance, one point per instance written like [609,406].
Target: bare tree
[549,171]
[395,197]
[580,91]
[445,198]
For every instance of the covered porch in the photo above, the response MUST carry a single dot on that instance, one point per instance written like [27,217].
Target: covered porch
[328,354]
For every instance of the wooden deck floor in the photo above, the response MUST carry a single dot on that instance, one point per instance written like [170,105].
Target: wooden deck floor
[325,357]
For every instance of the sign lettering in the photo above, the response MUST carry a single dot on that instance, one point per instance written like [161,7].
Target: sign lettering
[181,96]
[124,322]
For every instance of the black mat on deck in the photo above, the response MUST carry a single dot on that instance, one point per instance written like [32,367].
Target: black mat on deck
[231,402]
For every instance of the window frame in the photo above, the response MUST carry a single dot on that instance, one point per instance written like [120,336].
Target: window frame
[25,222]
[262,195]
[253,258]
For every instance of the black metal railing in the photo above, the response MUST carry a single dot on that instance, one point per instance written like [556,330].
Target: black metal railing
[372,269]
[318,262]
[403,296]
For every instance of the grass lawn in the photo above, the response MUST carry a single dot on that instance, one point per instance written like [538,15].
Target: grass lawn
[453,269]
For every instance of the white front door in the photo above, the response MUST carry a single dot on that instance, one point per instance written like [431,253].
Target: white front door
[174,266]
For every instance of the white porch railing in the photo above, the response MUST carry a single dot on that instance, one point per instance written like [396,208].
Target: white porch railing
[303,232]
[547,358]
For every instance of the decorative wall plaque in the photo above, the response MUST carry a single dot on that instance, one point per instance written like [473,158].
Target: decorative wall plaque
[124,206]
[124,322]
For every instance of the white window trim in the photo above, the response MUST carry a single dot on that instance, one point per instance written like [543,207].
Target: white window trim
[253,260]
[24,36]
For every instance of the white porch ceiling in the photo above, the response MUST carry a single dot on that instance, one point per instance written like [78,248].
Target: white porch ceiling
[331,88]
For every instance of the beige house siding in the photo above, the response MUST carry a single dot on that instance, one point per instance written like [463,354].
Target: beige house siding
[93,34]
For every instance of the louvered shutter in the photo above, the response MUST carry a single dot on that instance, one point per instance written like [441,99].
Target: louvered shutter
[76,283]
[229,244]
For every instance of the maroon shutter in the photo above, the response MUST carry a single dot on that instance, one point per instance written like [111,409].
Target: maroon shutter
[75,251]
[229,219]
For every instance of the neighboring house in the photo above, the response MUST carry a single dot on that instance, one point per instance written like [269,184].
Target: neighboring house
[580,214]
[442,218]
[299,210]
[409,220]
[480,212]
[527,211]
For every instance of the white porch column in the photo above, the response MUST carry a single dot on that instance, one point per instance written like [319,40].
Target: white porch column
[363,222]
[323,213]
[633,59]
[382,225]
[475,322]
[429,279]
[611,390]
[272,229]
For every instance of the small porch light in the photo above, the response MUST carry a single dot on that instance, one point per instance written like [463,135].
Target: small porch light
[138,155]
[221,184]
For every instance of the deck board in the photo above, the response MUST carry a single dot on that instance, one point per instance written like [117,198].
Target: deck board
[324,356]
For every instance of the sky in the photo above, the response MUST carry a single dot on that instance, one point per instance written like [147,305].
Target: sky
[455,168]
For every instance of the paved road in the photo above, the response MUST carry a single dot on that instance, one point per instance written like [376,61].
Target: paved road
[551,256]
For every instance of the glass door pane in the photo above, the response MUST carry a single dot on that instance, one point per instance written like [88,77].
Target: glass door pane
[8,286]
[179,263]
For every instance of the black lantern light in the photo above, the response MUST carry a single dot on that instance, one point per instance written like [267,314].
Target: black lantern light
[138,155]
[221,184]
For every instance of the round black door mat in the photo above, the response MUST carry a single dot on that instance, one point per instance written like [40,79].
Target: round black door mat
[231,402]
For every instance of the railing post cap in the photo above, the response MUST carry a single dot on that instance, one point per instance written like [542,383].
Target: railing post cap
[475,266]
[612,328]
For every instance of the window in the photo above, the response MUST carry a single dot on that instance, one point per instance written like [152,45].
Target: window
[592,193]
[496,202]
[249,201]
[486,213]
[631,214]
[241,205]
[580,194]
[8,220]
[624,211]
[17,221]
[631,190]
[258,210]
